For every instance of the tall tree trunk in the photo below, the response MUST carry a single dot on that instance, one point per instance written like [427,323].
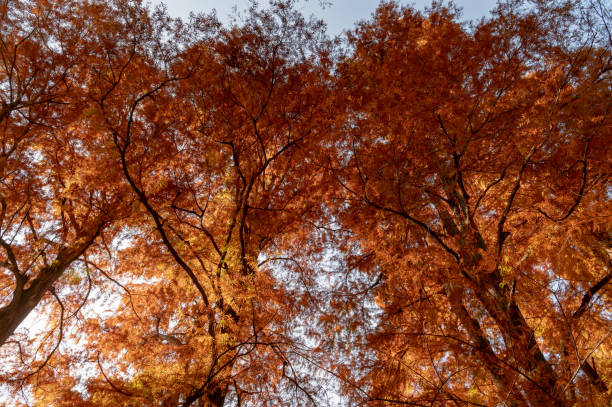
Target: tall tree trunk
[519,337]
[214,397]
[25,299]
[497,370]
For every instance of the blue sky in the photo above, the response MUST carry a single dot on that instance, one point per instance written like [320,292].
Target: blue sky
[339,16]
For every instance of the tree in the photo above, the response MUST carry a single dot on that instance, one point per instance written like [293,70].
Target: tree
[51,212]
[476,173]
[211,133]
[252,215]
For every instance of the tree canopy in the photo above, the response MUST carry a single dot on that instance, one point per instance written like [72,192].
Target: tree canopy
[418,213]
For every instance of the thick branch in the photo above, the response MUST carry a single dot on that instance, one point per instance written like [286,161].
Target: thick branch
[25,301]
[580,192]
[474,331]
[501,235]
[143,198]
[586,299]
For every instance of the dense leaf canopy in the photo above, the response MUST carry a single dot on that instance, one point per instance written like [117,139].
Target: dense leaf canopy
[194,214]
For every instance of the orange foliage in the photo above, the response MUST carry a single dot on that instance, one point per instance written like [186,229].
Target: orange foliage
[254,215]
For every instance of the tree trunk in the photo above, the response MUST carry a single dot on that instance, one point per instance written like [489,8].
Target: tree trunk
[481,345]
[214,397]
[25,300]
[519,337]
